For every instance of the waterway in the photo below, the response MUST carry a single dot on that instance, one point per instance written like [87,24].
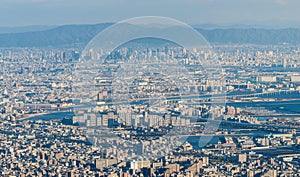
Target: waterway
[285,106]
[51,116]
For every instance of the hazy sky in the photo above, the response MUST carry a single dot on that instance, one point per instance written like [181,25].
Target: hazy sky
[225,12]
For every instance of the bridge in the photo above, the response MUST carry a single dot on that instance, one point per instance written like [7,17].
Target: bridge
[289,155]
[215,98]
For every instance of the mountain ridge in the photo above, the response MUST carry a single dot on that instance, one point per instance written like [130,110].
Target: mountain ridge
[82,34]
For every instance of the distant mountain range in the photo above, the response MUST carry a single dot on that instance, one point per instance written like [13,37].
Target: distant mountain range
[21,29]
[63,35]
[82,34]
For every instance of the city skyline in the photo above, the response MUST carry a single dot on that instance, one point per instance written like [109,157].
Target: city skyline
[44,133]
[136,88]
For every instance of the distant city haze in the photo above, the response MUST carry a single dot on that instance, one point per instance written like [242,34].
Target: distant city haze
[253,13]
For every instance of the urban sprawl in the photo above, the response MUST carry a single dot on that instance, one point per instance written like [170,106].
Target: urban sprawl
[144,112]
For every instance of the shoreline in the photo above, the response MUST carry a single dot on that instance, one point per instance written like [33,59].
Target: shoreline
[45,116]
[26,116]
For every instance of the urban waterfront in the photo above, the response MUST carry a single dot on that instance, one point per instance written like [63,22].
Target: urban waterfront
[214,95]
